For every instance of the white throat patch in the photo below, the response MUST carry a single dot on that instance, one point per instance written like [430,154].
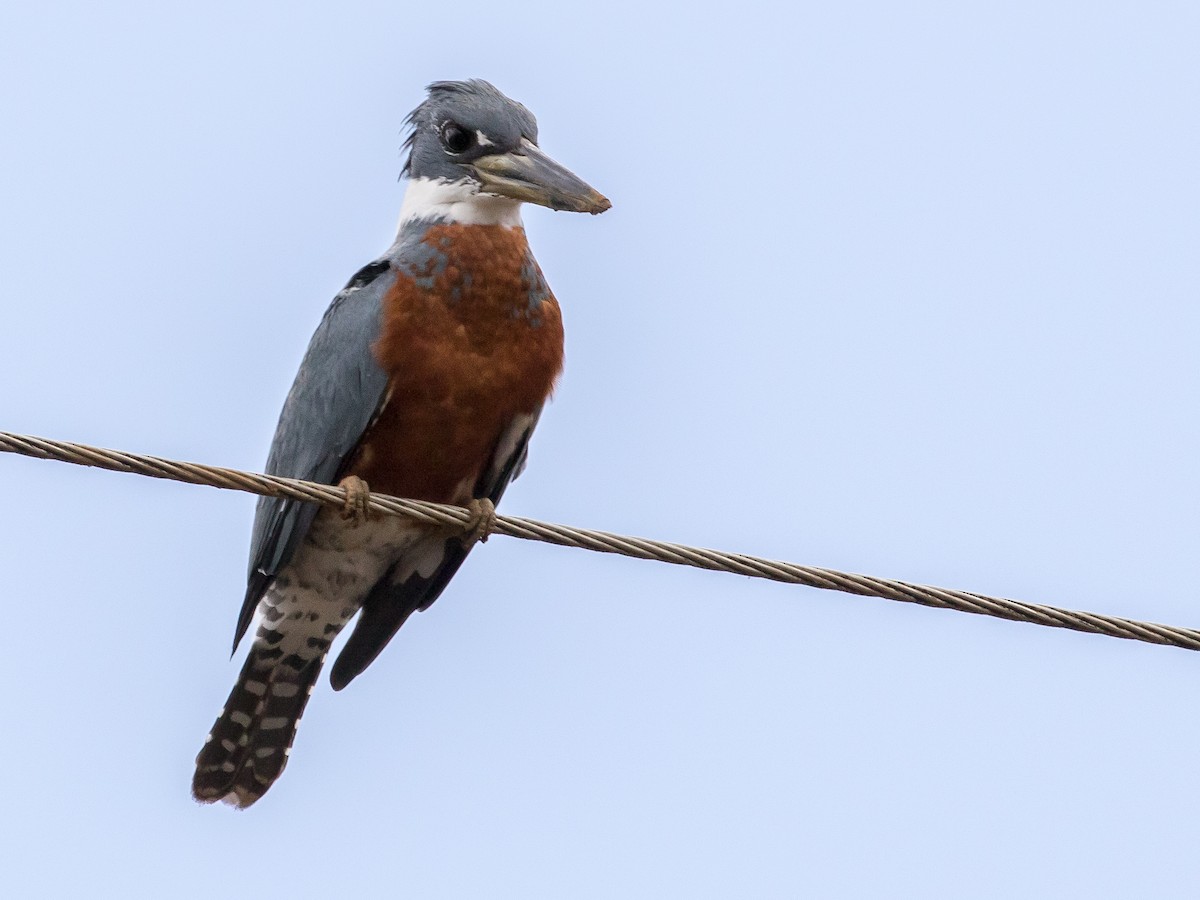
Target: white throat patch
[456,201]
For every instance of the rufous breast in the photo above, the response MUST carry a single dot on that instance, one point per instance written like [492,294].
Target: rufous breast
[471,337]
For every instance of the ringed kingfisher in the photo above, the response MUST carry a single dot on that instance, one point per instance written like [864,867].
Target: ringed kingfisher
[424,379]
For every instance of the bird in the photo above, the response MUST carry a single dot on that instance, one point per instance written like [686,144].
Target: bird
[424,379]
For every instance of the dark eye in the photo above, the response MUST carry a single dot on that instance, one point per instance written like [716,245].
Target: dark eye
[456,138]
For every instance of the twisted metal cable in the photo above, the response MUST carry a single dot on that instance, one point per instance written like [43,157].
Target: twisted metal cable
[605,542]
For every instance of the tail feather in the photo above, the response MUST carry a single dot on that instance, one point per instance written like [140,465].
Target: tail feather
[248,746]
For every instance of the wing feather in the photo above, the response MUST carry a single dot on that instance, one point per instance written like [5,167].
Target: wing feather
[336,395]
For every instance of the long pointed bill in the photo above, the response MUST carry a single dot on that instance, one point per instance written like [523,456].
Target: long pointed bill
[530,175]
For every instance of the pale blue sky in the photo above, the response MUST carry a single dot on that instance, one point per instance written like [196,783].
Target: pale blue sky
[902,289]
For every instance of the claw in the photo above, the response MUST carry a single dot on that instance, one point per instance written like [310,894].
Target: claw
[358,496]
[482,522]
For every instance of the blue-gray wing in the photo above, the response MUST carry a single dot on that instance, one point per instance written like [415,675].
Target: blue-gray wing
[336,395]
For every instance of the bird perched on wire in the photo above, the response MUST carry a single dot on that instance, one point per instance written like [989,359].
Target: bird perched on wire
[424,379]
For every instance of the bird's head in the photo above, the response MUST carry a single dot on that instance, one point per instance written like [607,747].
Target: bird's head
[473,157]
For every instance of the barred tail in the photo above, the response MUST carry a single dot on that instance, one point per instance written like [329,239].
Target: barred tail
[249,744]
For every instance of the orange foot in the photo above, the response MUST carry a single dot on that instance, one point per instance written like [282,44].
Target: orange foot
[358,495]
[482,522]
